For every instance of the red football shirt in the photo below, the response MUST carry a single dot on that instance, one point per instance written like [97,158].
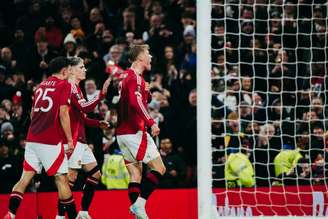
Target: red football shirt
[132,112]
[45,125]
[80,106]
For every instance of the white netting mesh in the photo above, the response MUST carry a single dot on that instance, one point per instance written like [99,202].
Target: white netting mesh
[269,66]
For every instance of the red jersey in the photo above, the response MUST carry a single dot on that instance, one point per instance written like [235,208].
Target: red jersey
[45,124]
[132,112]
[80,106]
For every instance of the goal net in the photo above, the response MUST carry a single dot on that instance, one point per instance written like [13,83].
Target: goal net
[269,107]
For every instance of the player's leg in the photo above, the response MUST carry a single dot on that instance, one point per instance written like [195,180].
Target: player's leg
[137,204]
[31,166]
[129,145]
[65,195]
[17,193]
[72,176]
[74,164]
[157,169]
[55,163]
[135,172]
[93,176]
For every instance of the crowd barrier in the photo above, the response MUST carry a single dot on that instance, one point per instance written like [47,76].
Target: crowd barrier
[182,203]
[114,204]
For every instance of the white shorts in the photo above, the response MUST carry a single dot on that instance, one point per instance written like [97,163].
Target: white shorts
[81,155]
[137,147]
[51,157]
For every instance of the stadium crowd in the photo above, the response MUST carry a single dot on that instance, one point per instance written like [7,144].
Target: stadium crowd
[100,31]
[269,78]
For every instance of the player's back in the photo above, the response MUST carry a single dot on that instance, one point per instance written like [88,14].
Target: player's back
[45,124]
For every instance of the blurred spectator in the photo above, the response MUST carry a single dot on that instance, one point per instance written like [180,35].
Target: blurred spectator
[317,141]
[10,169]
[7,61]
[51,32]
[77,30]
[175,166]
[37,61]
[19,47]
[69,46]
[91,89]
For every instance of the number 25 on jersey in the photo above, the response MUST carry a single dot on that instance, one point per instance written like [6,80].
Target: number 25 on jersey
[41,96]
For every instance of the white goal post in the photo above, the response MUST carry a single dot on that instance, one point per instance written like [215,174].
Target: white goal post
[262,96]
[204,148]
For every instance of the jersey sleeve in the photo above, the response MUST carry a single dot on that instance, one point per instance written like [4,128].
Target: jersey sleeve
[86,106]
[91,122]
[136,101]
[65,94]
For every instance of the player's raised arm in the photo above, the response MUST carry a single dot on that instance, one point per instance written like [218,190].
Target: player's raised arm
[87,106]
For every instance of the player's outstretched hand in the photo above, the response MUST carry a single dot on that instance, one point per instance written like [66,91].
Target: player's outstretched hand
[106,85]
[155,130]
[104,124]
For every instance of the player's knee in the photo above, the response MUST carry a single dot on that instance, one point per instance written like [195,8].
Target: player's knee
[135,177]
[61,179]
[162,170]
[97,175]
[72,177]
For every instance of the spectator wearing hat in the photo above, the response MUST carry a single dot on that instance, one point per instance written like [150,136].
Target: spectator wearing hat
[69,46]
[7,131]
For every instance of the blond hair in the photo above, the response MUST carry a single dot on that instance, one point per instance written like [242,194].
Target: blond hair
[136,50]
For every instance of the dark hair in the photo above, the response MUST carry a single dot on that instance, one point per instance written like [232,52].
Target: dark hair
[75,60]
[317,125]
[135,51]
[57,64]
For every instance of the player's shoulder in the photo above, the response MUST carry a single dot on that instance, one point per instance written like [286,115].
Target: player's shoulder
[129,76]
